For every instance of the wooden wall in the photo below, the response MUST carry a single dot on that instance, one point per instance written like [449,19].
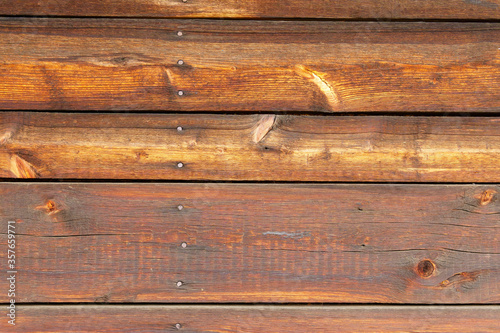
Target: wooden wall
[250,166]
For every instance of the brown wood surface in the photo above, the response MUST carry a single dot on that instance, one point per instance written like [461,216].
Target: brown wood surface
[125,64]
[253,243]
[352,9]
[249,147]
[223,319]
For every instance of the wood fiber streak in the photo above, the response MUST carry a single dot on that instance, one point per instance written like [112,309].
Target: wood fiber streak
[251,243]
[249,147]
[126,64]
[246,319]
[343,9]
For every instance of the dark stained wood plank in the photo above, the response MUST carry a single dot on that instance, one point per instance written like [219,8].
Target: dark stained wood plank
[346,9]
[89,64]
[249,147]
[253,243]
[182,318]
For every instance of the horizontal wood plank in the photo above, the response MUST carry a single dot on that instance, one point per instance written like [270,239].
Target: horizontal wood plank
[207,65]
[219,319]
[343,9]
[253,243]
[249,147]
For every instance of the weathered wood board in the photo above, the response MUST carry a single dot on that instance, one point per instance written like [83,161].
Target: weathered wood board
[249,147]
[218,65]
[254,243]
[250,166]
[258,318]
[316,9]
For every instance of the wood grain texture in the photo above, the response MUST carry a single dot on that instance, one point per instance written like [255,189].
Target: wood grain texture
[249,147]
[343,9]
[246,319]
[253,243]
[88,64]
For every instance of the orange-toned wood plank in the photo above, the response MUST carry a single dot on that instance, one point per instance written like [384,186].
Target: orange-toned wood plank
[351,9]
[206,65]
[249,147]
[253,243]
[259,318]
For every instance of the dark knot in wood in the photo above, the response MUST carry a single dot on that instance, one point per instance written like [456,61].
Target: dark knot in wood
[426,268]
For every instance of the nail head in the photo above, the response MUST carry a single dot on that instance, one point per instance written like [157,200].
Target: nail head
[178,326]
[180,165]
[179,33]
[179,283]
[184,245]
[179,129]
[180,207]
[180,62]
[180,93]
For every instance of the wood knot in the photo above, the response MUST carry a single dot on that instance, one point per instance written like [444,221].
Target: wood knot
[426,268]
[22,168]
[50,208]
[319,80]
[263,127]
[460,279]
[487,197]
[6,136]
[141,155]
[120,60]
[102,299]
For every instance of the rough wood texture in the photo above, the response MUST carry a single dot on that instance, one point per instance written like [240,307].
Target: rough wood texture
[257,319]
[87,64]
[254,243]
[376,9]
[249,147]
